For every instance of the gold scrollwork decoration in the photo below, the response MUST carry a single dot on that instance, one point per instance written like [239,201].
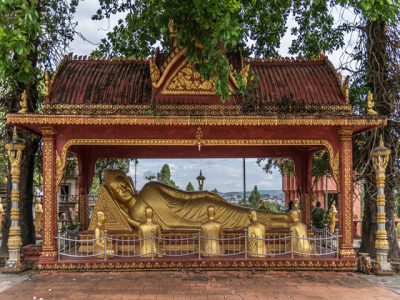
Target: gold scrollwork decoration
[187,142]
[47,120]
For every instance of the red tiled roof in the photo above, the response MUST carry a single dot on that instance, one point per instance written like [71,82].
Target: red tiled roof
[80,81]
[101,82]
[300,82]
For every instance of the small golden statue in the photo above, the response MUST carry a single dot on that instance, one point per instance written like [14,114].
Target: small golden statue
[149,232]
[300,244]
[38,217]
[23,103]
[100,243]
[256,237]
[211,231]
[76,211]
[371,104]
[332,217]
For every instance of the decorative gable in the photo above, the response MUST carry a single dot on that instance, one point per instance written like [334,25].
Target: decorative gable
[176,78]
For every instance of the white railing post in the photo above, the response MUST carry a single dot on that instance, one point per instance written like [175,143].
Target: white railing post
[152,243]
[245,243]
[199,245]
[337,243]
[59,244]
[291,242]
[105,244]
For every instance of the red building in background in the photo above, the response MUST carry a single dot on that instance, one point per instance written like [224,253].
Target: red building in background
[325,191]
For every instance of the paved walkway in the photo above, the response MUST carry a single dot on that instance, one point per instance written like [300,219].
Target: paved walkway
[204,285]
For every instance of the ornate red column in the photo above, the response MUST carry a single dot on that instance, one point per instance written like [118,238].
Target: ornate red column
[346,194]
[86,168]
[49,247]
[303,170]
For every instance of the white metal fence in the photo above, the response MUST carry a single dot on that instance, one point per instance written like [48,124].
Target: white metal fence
[191,244]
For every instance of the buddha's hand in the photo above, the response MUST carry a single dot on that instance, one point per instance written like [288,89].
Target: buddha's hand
[129,220]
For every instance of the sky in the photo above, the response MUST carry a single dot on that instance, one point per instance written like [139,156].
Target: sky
[223,174]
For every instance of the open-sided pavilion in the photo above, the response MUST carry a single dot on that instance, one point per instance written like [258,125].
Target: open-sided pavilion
[162,108]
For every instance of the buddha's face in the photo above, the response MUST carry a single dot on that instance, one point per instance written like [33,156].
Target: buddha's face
[211,212]
[100,217]
[148,213]
[121,190]
[253,216]
[294,214]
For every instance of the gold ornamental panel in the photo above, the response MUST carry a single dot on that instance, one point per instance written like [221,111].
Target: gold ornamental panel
[61,161]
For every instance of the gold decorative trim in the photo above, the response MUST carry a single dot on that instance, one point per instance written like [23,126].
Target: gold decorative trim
[236,264]
[185,80]
[184,142]
[171,60]
[36,119]
[186,109]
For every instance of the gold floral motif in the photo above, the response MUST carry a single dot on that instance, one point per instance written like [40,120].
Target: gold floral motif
[188,142]
[154,72]
[186,80]
[181,109]
[254,264]
[348,192]
[32,119]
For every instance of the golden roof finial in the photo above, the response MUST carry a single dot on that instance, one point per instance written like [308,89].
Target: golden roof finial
[23,103]
[371,104]
[173,33]
[15,134]
[381,142]
[47,83]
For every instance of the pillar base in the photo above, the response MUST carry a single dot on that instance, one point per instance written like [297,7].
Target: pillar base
[48,256]
[347,253]
[382,269]
[14,267]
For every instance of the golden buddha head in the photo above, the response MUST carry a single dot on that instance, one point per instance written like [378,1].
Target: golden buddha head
[211,212]
[253,216]
[119,185]
[295,215]
[101,217]
[148,213]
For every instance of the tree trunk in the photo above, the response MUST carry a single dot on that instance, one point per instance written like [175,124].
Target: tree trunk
[369,225]
[380,83]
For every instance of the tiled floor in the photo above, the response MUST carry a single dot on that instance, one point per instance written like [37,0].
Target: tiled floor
[203,285]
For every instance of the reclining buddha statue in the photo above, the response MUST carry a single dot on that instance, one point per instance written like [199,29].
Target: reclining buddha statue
[176,209]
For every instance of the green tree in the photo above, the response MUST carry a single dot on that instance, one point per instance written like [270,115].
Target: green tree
[189,187]
[214,190]
[378,57]
[34,35]
[164,176]
[210,30]
[255,197]
[270,206]
[104,164]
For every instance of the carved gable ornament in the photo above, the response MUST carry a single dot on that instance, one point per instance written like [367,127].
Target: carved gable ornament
[177,77]
[188,81]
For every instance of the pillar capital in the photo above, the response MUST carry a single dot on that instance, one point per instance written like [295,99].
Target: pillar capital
[48,131]
[345,133]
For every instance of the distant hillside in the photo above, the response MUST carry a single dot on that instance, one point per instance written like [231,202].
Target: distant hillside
[272,193]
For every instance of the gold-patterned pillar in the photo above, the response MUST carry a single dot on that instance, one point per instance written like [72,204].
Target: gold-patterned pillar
[380,158]
[14,151]
[303,170]
[346,194]
[49,246]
